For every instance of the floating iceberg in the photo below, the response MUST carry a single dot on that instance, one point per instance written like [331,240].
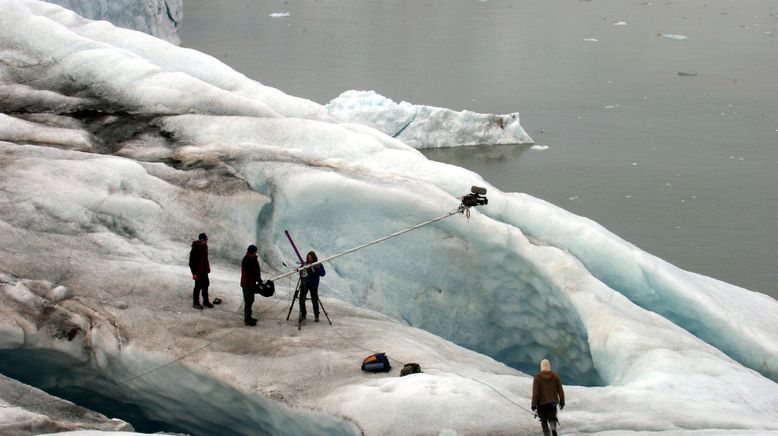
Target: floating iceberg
[118,148]
[673,36]
[426,126]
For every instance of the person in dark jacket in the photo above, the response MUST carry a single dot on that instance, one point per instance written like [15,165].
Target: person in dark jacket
[198,263]
[547,392]
[249,278]
[310,282]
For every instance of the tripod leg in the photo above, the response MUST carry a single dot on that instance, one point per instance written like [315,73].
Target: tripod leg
[291,306]
[325,312]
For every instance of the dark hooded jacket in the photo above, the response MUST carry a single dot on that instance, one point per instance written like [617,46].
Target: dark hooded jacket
[313,275]
[547,388]
[249,271]
[198,258]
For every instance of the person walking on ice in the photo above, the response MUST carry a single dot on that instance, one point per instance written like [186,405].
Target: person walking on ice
[547,392]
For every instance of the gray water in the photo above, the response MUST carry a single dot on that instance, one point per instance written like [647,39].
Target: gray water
[683,166]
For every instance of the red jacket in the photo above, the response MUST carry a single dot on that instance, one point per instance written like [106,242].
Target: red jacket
[198,258]
[249,271]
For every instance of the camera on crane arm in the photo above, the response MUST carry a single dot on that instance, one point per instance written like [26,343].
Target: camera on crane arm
[476,197]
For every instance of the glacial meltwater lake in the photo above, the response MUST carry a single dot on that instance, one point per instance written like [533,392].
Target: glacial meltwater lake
[661,118]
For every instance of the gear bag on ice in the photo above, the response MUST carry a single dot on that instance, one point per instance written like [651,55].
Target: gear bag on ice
[410,368]
[265,289]
[377,362]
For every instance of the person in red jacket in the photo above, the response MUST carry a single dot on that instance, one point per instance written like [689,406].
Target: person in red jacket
[200,267]
[249,278]
[547,392]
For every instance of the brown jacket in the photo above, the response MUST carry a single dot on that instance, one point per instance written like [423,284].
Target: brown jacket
[547,388]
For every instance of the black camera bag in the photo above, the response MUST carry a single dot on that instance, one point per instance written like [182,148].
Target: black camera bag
[265,289]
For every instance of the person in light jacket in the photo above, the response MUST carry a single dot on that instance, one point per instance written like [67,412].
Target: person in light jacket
[310,283]
[547,392]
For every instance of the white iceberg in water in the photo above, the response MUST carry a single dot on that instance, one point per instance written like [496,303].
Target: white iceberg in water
[426,126]
[117,149]
[673,36]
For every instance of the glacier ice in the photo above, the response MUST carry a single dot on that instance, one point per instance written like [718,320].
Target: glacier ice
[49,414]
[159,18]
[110,171]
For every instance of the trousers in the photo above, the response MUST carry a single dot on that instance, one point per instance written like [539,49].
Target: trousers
[201,285]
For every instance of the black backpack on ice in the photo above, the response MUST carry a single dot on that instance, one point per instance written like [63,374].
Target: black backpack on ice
[377,362]
[265,289]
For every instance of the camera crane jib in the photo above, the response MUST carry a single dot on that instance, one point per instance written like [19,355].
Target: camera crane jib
[476,197]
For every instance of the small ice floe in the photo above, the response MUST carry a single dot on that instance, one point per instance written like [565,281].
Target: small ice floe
[627,196]
[620,23]
[634,164]
[539,147]
[591,40]
[279,14]
[687,73]
[574,197]
[672,36]
[612,106]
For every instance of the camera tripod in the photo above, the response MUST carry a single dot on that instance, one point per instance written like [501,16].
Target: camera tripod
[297,290]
